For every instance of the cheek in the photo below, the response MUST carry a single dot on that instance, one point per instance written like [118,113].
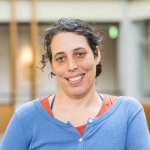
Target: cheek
[59,71]
[88,64]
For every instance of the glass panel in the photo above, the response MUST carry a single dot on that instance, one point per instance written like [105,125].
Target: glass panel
[145,57]
[5,96]
[23,64]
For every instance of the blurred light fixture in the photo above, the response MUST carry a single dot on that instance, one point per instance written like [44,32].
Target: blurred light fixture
[113,32]
[27,56]
[24,66]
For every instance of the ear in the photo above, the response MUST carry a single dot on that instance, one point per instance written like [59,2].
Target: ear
[98,57]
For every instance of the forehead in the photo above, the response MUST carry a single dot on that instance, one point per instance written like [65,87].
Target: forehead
[68,40]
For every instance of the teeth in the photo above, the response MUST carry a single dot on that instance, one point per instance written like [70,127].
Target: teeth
[76,78]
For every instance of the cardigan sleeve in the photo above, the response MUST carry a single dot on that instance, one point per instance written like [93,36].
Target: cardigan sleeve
[137,133]
[13,138]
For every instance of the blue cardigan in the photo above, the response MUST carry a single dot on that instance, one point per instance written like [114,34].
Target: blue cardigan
[122,127]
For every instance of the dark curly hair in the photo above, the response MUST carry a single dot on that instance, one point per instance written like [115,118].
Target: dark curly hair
[71,25]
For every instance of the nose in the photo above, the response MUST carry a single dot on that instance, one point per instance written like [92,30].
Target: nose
[72,65]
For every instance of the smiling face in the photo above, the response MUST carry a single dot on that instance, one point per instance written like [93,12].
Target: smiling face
[73,63]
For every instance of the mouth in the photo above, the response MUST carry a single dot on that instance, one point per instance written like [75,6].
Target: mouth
[74,79]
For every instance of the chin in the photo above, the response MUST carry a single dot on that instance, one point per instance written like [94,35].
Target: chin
[77,93]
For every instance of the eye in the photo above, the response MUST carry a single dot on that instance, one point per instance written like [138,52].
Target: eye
[80,54]
[61,59]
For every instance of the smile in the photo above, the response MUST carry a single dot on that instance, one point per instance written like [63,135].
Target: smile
[76,78]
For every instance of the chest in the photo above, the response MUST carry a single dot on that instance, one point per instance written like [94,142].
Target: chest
[97,135]
[77,118]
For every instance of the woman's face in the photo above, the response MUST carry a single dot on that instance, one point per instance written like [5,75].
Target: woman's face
[73,63]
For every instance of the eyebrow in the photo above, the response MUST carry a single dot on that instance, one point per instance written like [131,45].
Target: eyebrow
[64,52]
[78,48]
[58,54]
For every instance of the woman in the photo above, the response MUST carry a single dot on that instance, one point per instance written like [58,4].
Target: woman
[77,117]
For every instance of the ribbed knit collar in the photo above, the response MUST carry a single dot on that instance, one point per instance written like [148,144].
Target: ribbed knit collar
[105,115]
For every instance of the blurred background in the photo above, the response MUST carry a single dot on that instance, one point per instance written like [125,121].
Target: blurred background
[124,25]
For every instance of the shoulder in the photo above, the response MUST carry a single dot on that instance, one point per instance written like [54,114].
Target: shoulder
[27,110]
[130,101]
[123,100]
[129,106]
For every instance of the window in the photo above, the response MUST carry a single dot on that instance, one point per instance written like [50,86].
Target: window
[145,60]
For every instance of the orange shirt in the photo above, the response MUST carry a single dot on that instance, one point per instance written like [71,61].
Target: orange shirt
[107,103]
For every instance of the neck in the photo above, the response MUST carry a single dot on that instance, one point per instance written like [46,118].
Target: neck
[77,102]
